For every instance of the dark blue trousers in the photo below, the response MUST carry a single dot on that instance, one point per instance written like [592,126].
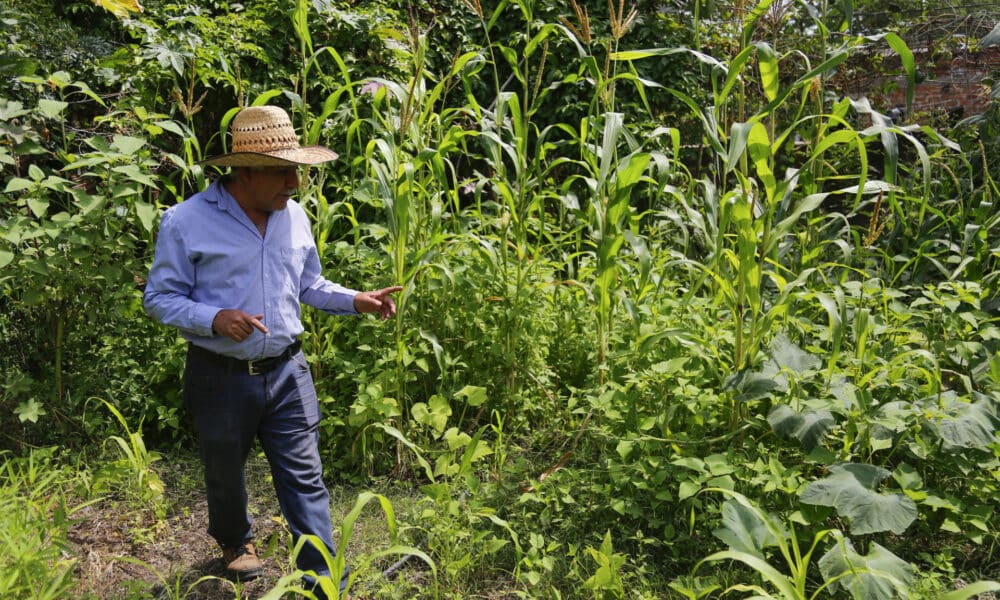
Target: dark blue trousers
[231,408]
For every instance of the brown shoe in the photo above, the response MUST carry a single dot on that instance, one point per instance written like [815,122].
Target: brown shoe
[242,563]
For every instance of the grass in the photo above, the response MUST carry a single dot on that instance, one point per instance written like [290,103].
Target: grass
[111,547]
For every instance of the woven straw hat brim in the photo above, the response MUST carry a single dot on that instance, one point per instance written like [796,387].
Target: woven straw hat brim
[307,155]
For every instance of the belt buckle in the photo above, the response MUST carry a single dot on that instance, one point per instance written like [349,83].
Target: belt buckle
[253,368]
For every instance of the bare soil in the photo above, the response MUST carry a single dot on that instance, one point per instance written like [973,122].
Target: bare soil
[127,554]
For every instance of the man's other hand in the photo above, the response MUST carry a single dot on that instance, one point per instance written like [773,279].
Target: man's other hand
[377,301]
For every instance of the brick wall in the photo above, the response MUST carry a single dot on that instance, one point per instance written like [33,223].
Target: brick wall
[955,86]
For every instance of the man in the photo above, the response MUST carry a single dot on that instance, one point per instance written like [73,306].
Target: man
[232,265]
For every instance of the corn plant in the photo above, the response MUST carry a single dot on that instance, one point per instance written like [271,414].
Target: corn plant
[331,584]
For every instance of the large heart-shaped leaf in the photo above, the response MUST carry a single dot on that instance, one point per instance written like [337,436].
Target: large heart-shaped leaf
[809,427]
[744,529]
[751,385]
[879,575]
[962,424]
[992,38]
[787,355]
[850,489]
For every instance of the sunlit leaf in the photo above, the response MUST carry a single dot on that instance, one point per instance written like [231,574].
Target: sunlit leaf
[146,213]
[120,8]
[850,489]
[473,394]
[52,108]
[29,411]
[974,589]
[17,184]
[879,575]
[38,206]
[127,144]
[767,62]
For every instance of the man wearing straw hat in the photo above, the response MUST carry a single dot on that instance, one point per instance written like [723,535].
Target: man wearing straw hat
[233,264]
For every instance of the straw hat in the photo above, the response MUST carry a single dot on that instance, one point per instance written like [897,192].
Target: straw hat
[263,136]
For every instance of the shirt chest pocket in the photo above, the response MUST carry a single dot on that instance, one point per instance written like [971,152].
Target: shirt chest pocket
[291,265]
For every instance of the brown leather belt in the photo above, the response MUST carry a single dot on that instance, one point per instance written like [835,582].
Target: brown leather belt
[250,367]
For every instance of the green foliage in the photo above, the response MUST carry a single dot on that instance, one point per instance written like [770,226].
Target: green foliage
[35,517]
[132,475]
[748,532]
[645,253]
[330,585]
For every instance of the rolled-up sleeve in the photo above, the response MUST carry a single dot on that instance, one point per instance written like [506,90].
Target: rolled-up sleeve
[321,293]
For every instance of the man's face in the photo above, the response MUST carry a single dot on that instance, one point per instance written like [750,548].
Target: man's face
[270,188]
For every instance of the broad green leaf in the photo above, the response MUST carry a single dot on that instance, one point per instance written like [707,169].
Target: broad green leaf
[6,257]
[52,108]
[850,489]
[146,213]
[992,38]
[134,173]
[738,136]
[38,206]
[787,355]
[744,530]
[808,427]
[690,462]
[624,448]
[961,424]
[767,62]
[752,385]
[473,394]
[879,575]
[17,184]
[441,410]
[687,489]
[29,411]
[909,65]
[120,8]
[172,127]
[127,144]
[11,110]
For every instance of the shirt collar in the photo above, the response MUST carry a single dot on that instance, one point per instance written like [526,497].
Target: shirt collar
[218,194]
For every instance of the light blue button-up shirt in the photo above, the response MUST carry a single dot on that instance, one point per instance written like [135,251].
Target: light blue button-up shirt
[210,257]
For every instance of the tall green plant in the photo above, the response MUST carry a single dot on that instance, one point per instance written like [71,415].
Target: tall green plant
[73,220]
[749,532]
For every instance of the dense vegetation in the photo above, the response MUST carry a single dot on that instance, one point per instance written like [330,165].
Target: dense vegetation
[679,316]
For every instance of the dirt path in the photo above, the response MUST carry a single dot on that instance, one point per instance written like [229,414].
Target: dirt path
[124,554]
